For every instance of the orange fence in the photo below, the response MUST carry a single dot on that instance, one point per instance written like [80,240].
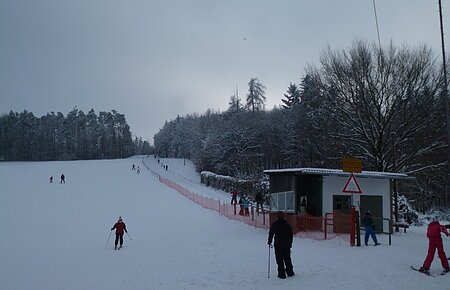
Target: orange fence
[253,218]
[303,225]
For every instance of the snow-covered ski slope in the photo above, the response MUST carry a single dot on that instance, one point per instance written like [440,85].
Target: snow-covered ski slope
[53,236]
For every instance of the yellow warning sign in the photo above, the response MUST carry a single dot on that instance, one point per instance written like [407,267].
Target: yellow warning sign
[352,165]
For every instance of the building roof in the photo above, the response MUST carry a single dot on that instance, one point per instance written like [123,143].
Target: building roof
[339,172]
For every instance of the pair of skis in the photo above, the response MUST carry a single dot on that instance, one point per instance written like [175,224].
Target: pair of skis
[428,272]
[118,248]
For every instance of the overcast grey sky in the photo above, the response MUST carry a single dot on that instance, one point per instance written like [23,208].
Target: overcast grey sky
[154,60]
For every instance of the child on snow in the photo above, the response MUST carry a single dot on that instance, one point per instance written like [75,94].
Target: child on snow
[434,231]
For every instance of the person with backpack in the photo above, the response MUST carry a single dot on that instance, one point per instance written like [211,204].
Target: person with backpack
[434,231]
[120,228]
[283,244]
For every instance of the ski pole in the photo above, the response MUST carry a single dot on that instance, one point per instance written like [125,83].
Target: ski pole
[108,238]
[268,265]
[129,236]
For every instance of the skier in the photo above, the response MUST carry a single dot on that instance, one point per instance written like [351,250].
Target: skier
[259,202]
[234,197]
[241,204]
[283,244]
[138,170]
[120,228]
[369,226]
[434,231]
[63,179]
[246,203]
[51,179]
[132,167]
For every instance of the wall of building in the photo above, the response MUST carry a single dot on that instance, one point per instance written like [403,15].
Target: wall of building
[334,185]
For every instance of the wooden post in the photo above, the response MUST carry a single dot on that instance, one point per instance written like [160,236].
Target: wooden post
[352,226]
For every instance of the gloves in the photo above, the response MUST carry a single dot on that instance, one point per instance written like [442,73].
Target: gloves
[112,229]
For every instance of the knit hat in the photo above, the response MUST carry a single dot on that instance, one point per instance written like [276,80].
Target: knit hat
[120,218]
[280,215]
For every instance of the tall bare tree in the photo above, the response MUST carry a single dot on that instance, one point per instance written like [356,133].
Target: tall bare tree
[386,100]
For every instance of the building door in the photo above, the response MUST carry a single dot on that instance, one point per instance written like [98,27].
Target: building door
[374,204]
[341,213]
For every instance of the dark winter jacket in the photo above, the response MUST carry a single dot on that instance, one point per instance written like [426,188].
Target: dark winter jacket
[282,232]
[367,221]
[120,228]
[435,229]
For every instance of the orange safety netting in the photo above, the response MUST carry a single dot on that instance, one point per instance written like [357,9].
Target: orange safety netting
[303,225]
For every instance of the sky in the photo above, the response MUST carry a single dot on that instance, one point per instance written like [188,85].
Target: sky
[57,236]
[154,60]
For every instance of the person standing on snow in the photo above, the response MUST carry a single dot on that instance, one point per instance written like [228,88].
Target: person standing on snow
[234,197]
[120,229]
[259,201]
[369,226]
[63,179]
[283,244]
[246,204]
[434,231]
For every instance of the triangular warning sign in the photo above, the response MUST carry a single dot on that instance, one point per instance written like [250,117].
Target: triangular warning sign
[352,185]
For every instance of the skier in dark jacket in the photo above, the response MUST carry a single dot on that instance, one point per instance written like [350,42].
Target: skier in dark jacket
[283,244]
[63,179]
[120,228]
[369,225]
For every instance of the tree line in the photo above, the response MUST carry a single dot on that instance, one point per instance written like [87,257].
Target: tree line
[25,137]
[383,105]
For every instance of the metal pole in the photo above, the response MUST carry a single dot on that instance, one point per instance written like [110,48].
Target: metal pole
[268,265]
[445,94]
[394,181]
[376,21]
[108,238]
[129,236]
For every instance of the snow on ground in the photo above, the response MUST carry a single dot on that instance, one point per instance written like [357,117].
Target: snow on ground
[54,236]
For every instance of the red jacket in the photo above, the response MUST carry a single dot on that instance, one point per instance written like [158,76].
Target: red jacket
[435,229]
[120,227]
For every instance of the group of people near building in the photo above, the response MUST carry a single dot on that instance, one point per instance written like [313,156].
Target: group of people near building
[244,202]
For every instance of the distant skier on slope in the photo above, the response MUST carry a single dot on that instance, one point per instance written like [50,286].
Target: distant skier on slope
[434,231]
[120,229]
[63,179]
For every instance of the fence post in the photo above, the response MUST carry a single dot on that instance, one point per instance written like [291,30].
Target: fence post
[358,232]
[352,227]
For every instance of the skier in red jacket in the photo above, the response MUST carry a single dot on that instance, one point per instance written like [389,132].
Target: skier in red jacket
[120,228]
[435,242]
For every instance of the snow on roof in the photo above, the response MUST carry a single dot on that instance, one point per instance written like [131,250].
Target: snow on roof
[339,172]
